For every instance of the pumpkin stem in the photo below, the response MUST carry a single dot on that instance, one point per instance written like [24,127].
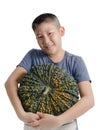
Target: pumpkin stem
[47,89]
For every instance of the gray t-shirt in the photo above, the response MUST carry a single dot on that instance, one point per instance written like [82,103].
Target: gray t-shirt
[73,64]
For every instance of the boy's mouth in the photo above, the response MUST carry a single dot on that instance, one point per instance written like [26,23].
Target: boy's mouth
[48,47]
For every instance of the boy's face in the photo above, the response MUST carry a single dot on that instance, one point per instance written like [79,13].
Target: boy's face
[48,36]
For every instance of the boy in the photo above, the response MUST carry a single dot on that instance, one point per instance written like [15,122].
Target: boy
[48,32]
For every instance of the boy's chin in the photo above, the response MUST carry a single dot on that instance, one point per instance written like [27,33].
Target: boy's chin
[47,51]
[50,52]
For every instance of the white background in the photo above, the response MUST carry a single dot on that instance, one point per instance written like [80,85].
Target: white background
[80,19]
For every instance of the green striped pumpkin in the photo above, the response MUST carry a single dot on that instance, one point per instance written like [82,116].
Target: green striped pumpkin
[49,89]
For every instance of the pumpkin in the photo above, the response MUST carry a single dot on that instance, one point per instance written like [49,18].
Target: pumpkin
[49,89]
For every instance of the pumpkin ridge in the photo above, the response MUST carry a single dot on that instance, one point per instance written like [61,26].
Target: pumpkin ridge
[67,96]
[62,100]
[54,103]
[48,105]
[42,107]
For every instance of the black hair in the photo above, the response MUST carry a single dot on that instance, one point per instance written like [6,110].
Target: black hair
[45,17]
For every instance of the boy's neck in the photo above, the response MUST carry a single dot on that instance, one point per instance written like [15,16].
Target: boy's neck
[58,57]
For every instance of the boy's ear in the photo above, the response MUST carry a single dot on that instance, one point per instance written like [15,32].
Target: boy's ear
[62,31]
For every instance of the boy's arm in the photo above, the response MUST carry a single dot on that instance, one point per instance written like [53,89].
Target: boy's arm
[83,105]
[11,86]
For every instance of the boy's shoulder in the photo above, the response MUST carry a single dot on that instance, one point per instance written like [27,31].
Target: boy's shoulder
[73,58]
[71,55]
[35,51]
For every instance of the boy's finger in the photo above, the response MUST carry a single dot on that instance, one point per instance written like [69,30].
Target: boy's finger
[41,115]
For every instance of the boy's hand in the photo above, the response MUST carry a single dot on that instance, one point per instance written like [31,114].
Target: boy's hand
[29,117]
[46,121]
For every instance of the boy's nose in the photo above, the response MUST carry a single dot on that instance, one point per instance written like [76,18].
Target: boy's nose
[46,41]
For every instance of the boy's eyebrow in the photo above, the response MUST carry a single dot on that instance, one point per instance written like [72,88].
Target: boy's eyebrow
[38,34]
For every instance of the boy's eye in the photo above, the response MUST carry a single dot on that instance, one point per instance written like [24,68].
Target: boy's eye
[50,33]
[39,37]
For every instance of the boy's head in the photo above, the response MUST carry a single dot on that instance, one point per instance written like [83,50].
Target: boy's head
[46,17]
[48,32]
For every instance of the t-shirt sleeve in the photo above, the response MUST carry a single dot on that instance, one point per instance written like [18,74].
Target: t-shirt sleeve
[26,62]
[80,71]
